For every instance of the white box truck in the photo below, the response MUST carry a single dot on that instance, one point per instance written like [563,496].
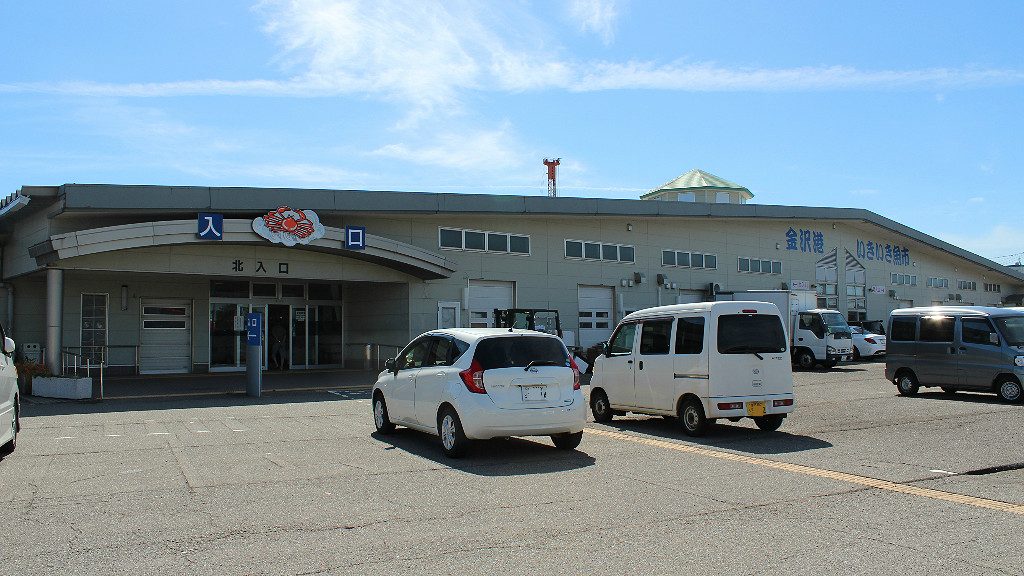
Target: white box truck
[816,335]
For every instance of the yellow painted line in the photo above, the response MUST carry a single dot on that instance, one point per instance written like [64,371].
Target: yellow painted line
[818,472]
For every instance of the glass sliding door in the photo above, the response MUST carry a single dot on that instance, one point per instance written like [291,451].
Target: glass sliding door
[325,346]
[227,347]
[299,323]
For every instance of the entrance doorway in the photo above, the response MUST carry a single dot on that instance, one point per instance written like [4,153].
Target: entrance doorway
[278,349]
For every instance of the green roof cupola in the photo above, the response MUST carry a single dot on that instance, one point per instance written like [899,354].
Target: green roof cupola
[700,186]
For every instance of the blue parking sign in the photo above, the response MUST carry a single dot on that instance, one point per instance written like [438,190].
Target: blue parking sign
[210,226]
[254,328]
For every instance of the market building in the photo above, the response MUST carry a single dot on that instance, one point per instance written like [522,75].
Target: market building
[157,278]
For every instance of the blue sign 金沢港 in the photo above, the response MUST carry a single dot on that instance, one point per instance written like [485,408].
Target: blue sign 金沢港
[210,226]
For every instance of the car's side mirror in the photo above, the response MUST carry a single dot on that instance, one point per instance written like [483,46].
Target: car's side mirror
[389,365]
[8,346]
[993,338]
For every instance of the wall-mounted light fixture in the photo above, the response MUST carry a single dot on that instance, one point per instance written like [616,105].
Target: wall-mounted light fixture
[124,296]
[629,227]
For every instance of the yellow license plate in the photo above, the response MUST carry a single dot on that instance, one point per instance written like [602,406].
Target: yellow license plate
[755,408]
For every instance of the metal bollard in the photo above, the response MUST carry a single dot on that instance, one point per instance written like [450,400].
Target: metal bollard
[367,357]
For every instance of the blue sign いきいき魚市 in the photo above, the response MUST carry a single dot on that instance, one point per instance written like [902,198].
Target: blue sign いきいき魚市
[355,237]
[210,226]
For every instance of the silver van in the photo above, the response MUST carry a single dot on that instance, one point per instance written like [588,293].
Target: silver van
[974,348]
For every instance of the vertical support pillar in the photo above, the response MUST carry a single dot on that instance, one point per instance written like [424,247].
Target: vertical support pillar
[54,318]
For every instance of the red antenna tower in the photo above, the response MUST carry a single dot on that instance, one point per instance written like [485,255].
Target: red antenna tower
[552,169]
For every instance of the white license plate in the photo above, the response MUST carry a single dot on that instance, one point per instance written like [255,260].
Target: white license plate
[535,393]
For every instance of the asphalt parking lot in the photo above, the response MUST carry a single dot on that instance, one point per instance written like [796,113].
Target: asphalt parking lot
[858,480]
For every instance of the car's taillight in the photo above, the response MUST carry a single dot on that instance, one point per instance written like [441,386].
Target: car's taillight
[473,378]
[786,402]
[870,340]
[575,374]
[730,405]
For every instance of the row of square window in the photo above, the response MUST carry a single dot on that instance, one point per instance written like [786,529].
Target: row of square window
[993,288]
[758,266]
[502,242]
[585,250]
[903,279]
[682,259]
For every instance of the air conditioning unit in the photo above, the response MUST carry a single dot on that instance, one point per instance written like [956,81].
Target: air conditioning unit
[892,294]
[784,286]
[951,297]
[662,280]
[959,297]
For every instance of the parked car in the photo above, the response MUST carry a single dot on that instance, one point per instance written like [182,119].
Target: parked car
[872,326]
[867,344]
[10,408]
[697,362]
[463,384]
[957,348]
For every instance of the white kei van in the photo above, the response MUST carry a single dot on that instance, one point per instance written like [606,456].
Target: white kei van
[697,362]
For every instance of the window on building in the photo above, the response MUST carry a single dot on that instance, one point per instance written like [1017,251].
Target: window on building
[668,258]
[599,251]
[743,264]
[483,241]
[967,285]
[696,260]
[94,327]
[229,289]
[710,262]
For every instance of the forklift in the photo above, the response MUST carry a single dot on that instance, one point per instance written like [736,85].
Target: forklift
[529,319]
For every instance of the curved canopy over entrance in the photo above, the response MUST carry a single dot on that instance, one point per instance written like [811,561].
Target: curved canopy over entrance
[386,252]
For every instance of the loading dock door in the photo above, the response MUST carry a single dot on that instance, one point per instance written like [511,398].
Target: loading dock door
[166,337]
[596,317]
[484,297]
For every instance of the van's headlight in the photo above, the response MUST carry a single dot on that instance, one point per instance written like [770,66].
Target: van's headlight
[830,349]
[1019,360]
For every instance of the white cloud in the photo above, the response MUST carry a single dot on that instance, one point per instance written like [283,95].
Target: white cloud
[597,16]
[976,200]
[865,192]
[997,241]
[482,150]
[427,55]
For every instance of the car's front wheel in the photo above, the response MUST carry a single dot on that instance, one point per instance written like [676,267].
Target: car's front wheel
[1010,390]
[453,438]
[567,441]
[381,421]
[804,359]
[13,443]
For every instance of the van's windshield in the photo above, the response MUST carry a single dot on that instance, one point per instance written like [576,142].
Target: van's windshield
[1012,328]
[750,333]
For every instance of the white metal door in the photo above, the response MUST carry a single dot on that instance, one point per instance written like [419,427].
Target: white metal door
[166,343]
[449,314]
[596,317]
[484,297]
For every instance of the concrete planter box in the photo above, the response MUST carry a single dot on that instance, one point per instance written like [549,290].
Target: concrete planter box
[60,387]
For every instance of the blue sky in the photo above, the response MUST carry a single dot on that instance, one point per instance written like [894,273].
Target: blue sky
[912,110]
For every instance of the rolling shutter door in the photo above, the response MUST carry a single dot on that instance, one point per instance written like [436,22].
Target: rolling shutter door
[484,297]
[166,337]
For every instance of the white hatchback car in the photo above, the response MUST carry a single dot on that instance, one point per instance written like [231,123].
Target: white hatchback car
[866,344]
[480,383]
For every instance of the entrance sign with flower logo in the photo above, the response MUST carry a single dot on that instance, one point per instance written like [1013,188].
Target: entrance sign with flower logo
[289,227]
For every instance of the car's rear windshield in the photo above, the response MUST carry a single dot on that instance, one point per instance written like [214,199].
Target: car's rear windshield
[747,333]
[510,351]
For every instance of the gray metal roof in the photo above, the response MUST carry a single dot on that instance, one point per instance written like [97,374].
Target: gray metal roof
[113,198]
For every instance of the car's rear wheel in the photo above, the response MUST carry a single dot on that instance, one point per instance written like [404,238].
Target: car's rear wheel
[907,384]
[600,407]
[804,359]
[568,441]
[1010,390]
[13,443]
[691,416]
[381,421]
[453,438]
[769,423]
